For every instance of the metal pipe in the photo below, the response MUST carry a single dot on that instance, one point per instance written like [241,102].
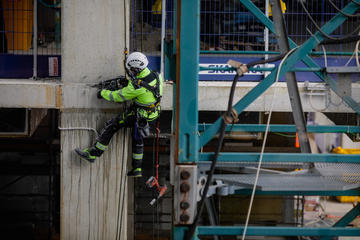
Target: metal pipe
[35,39]
[79,128]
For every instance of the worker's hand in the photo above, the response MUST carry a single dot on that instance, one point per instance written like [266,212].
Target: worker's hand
[98,95]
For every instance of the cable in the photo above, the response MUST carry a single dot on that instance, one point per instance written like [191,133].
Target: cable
[313,107]
[322,46]
[321,31]
[284,135]
[341,11]
[355,53]
[342,41]
[189,234]
[273,59]
[80,128]
[355,2]
[264,143]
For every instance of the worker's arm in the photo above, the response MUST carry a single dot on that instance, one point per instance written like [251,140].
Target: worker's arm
[125,94]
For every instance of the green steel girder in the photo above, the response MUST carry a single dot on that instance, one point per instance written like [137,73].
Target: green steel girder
[271,52]
[179,232]
[186,87]
[345,220]
[281,157]
[186,123]
[285,128]
[303,193]
[277,231]
[318,37]
[260,69]
[300,54]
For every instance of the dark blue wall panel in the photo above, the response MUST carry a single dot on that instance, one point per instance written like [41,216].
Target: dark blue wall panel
[21,66]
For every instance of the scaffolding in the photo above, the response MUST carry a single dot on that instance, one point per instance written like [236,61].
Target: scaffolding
[192,171]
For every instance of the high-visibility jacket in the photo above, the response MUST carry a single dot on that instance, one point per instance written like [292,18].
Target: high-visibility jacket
[144,99]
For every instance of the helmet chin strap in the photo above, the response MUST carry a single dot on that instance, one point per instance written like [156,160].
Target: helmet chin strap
[135,71]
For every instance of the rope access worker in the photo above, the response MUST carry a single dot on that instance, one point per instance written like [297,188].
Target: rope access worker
[145,90]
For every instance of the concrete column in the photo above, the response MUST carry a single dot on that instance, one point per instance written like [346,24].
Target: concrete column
[93,196]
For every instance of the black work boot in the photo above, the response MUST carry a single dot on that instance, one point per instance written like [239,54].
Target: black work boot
[135,172]
[89,154]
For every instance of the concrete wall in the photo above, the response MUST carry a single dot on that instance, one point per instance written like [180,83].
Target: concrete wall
[94,196]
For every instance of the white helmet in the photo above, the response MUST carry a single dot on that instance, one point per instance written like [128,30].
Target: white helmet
[136,62]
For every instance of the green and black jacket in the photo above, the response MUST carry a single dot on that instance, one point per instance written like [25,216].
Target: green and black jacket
[147,105]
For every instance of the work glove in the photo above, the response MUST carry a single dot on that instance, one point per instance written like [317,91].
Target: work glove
[98,94]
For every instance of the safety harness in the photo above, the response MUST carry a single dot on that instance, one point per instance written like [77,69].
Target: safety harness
[155,90]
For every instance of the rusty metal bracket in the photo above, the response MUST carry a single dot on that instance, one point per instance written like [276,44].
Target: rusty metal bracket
[233,118]
[240,67]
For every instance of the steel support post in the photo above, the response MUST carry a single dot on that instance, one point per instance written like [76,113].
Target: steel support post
[187,68]
[187,30]
[295,101]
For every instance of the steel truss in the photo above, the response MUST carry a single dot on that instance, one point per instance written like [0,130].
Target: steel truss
[184,54]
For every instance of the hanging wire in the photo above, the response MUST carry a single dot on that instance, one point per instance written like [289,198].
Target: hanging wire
[322,32]
[154,210]
[284,135]
[341,11]
[264,143]
[355,2]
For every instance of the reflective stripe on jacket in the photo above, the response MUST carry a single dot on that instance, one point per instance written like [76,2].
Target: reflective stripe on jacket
[141,96]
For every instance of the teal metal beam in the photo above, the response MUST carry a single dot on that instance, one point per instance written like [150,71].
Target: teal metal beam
[299,54]
[274,53]
[345,220]
[240,106]
[179,233]
[259,69]
[338,19]
[187,59]
[277,231]
[304,193]
[349,217]
[285,128]
[281,157]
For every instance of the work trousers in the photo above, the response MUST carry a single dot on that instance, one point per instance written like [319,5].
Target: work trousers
[128,120]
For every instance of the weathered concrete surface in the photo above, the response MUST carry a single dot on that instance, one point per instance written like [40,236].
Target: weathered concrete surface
[29,94]
[92,39]
[93,195]
[213,96]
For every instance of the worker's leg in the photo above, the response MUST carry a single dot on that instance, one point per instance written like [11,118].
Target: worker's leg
[103,140]
[138,153]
